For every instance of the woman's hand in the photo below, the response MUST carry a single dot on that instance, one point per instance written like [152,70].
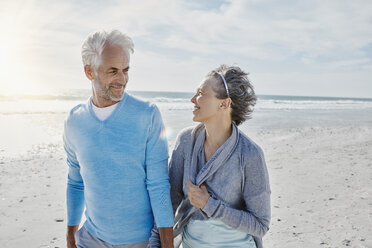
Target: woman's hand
[198,196]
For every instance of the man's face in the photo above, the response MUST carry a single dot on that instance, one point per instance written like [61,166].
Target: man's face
[111,76]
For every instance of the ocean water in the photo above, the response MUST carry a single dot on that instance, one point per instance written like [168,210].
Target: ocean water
[31,120]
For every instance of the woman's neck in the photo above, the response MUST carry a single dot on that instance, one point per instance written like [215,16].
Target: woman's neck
[217,133]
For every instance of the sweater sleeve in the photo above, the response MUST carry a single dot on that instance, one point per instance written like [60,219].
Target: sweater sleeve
[157,172]
[75,185]
[255,218]
[175,178]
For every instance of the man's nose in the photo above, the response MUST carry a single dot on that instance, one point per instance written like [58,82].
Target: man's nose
[122,77]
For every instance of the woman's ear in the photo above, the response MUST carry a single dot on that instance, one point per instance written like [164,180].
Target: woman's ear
[226,103]
[229,102]
[89,72]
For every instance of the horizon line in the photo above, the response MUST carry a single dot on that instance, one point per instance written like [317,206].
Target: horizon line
[56,93]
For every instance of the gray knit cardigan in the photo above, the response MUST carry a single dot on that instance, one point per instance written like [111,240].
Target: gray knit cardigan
[236,178]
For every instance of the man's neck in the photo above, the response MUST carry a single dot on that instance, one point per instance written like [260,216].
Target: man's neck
[102,103]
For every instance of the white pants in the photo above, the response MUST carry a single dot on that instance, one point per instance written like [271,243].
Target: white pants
[86,240]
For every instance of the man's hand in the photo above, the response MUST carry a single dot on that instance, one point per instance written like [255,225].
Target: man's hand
[166,237]
[198,196]
[70,236]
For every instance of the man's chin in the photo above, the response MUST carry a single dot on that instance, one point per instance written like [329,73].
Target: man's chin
[117,97]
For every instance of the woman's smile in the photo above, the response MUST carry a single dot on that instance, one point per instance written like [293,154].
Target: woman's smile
[196,108]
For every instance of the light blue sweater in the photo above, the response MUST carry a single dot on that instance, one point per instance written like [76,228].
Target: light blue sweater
[118,171]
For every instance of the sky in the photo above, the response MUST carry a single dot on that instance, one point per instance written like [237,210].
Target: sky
[307,48]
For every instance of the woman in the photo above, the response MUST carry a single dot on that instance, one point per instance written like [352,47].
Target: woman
[219,180]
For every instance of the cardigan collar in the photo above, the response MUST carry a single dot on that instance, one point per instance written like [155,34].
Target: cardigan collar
[216,161]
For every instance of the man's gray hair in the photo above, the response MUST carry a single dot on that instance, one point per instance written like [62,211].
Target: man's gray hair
[241,92]
[95,43]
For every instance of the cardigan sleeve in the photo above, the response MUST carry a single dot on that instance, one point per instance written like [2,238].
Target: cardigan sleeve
[176,171]
[255,218]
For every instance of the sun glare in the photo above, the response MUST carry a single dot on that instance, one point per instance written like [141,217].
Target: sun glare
[16,63]
[13,79]
[6,51]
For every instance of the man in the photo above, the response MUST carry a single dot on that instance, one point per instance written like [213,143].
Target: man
[117,161]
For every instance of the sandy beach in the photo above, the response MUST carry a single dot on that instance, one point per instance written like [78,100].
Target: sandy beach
[320,179]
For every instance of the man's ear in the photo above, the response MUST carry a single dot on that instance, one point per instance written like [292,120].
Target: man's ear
[89,72]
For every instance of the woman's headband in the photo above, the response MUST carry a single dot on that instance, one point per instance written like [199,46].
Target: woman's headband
[224,83]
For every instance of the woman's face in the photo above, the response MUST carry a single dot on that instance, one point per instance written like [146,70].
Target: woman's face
[206,104]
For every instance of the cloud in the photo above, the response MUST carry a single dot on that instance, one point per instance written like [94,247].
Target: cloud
[177,41]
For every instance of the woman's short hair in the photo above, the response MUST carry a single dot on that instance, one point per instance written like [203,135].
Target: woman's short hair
[241,92]
[95,43]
